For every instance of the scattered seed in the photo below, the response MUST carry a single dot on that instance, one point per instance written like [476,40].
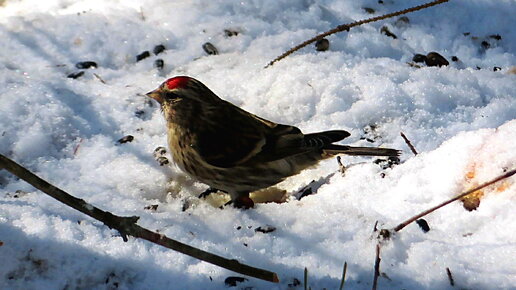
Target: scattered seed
[160,151]
[423,224]
[139,113]
[485,44]
[369,10]
[402,21]
[435,59]
[230,32]
[75,75]
[86,64]
[265,229]
[454,58]
[418,58]
[322,44]
[142,55]
[159,63]
[385,30]
[125,139]
[158,49]
[152,207]
[497,68]
[232,281]
[496,36]
[210,49]
[162,160]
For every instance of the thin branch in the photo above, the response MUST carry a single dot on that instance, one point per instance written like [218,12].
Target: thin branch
[127,225]
[376,267]
[305,278]
[450,277]
[412,219]
[343,276]
[409,144]
[346,27]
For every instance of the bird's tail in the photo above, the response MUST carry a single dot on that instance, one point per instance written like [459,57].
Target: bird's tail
[333,149]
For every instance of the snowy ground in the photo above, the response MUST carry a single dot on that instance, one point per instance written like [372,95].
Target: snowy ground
[461,119]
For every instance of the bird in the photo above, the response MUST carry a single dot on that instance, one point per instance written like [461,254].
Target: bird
[237,152]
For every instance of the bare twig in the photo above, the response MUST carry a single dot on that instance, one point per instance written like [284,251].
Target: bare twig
[450,277]
[412,219]
[127,225]
[346,27]
[99,78]
[409,144]
[343,276]
[376,267]
[305,278]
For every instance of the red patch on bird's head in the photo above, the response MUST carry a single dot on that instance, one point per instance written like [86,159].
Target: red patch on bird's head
[177,82]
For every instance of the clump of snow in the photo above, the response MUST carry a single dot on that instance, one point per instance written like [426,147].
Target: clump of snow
[460,118]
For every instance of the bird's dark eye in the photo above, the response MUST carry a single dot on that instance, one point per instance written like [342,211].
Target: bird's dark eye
[171,96]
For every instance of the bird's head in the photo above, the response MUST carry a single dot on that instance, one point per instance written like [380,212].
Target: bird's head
[182,88]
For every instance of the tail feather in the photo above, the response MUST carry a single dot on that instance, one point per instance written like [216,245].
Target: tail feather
[334,149]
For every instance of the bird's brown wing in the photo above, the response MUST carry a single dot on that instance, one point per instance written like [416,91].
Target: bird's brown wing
[234,138]
[239,137]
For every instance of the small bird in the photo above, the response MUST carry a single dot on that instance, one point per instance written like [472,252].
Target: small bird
[234,151]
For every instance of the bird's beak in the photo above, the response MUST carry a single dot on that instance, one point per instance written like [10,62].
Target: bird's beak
[156,95]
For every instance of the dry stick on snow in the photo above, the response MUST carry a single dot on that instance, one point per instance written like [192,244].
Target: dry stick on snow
[343,276]
[450,277]
[346,27]
[376,267]
[414,218]
[127,225]
[409,144]
[385,234]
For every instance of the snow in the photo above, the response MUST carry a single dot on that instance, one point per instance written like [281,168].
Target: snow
[460,119]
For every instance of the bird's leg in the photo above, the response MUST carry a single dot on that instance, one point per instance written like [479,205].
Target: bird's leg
[207,192]
[242,200]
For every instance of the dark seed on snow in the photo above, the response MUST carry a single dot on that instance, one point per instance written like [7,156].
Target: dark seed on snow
[86,64]
[210,49]
[162,160]
[322,44]
[125,139]
[497,68]
[435,59]
[75,75]
[265,229]
[423,225]
[230,32]
[159,49]
[159,63]
[142,55]
[369,10]
[232,281]
[385,30]
[419,58]
[454,58]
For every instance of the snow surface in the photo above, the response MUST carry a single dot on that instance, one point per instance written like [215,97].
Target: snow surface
[461,119]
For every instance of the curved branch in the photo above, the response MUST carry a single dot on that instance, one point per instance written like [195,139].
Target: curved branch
[346,27]
[127,225]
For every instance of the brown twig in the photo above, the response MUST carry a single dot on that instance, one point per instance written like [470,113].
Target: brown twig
[99,78]
[450,277]
[409,144]
[127,225]
[346,27]
[343,276]
[412,219]
[376,267]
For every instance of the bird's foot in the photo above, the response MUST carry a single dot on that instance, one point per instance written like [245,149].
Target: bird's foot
[207,192]
[243,202]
